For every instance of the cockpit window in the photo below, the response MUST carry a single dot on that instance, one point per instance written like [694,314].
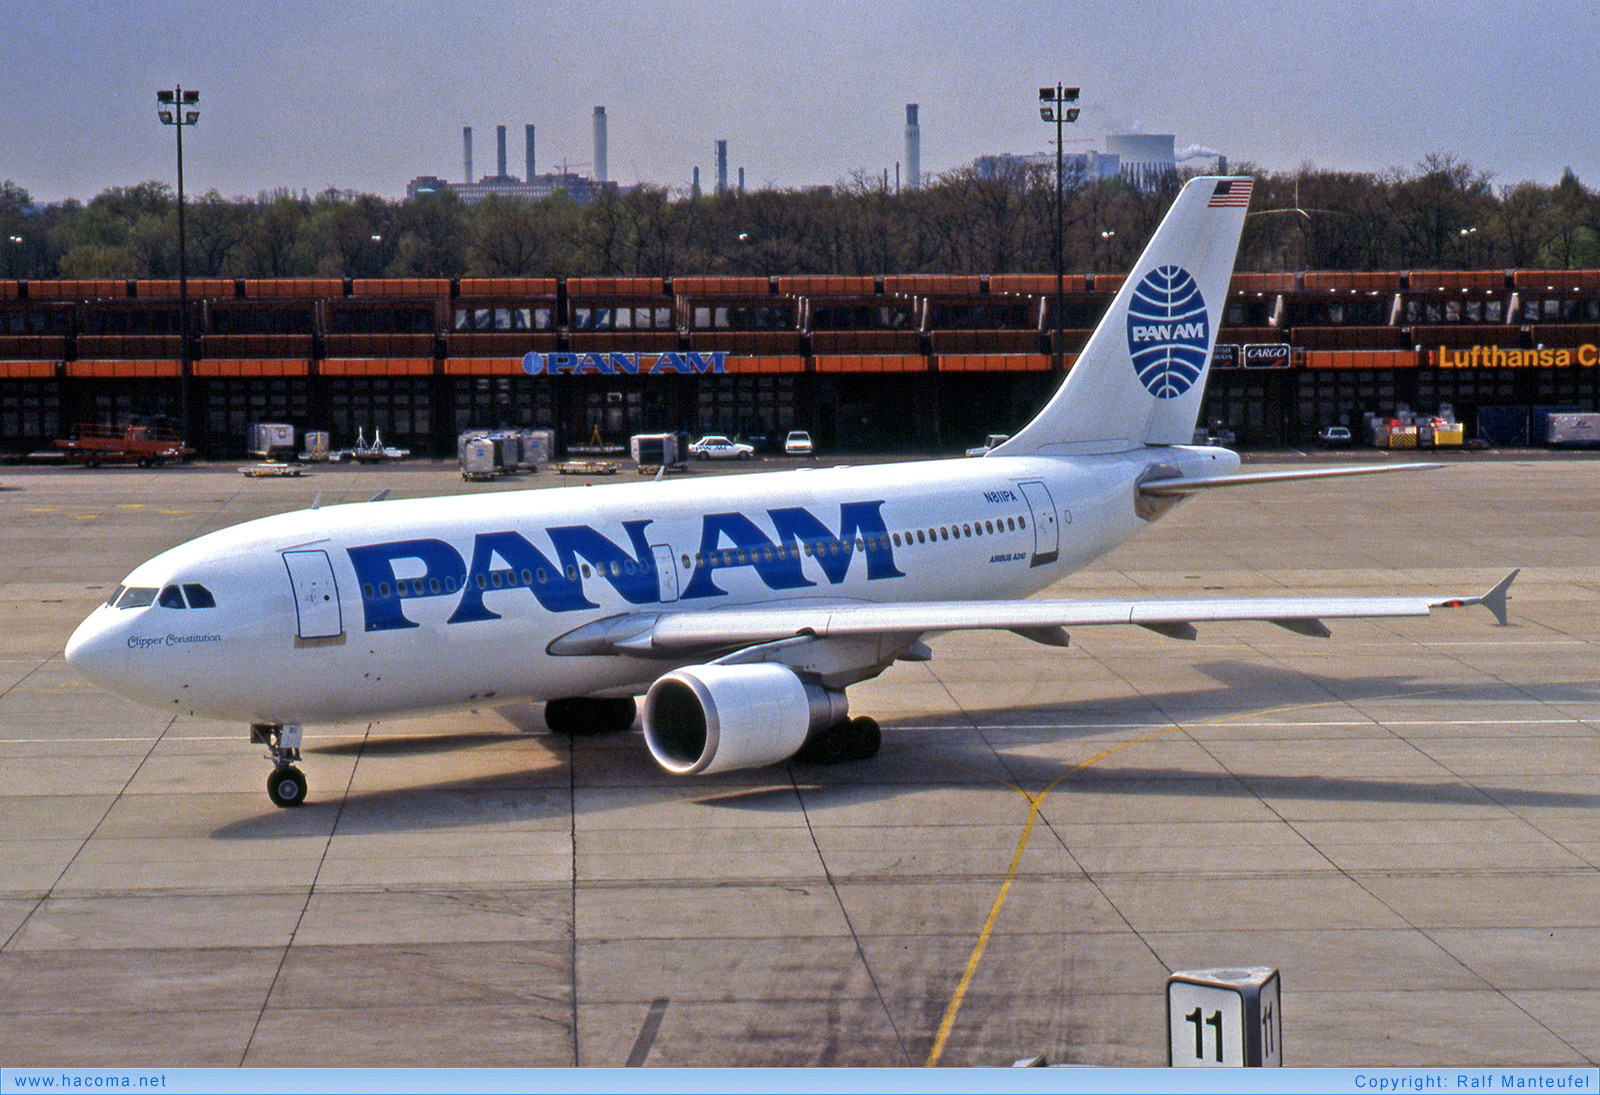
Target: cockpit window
[115,593]
[199,596]
[170,598]
[137,597]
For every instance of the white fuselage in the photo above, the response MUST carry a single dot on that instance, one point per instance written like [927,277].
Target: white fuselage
[365,610]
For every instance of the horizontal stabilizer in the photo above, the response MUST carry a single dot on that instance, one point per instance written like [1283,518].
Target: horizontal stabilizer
[1177,487]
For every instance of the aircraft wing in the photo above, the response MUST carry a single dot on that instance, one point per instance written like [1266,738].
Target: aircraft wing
[674,634]
[1177,486]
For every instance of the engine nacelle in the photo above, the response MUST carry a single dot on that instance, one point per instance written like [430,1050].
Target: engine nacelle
[715,718]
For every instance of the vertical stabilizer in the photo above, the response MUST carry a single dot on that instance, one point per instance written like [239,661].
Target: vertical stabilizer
[1140,378]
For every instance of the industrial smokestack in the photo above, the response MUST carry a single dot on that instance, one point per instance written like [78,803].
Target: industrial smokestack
[695,189]
[722,167]
[913,149]
[600,172]
[466,152]
[500,144]
[741,180]
[527,135]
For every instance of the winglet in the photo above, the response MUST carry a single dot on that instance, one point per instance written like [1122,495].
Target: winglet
[1495,600]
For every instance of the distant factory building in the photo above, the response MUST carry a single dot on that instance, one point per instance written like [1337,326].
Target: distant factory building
[1094,165]
[1144,159]
[534,187]
[580,188]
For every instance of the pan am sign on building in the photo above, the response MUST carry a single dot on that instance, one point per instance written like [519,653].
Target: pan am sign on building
[604,364]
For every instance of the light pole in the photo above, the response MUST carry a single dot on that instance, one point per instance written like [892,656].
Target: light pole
[1053,108]
[179,108]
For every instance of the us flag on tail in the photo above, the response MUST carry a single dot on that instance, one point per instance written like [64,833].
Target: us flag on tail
[1231,193]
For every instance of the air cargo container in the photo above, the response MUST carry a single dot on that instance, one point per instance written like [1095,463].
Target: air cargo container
[271,440]
[1572,430]
[478,459]
[538,447]
[655,450]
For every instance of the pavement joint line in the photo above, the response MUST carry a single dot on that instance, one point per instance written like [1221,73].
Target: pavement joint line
[311,892]
[84,843]
[849,922]
[572,905]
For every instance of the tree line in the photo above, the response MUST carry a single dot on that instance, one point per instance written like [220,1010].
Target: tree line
[1440,214]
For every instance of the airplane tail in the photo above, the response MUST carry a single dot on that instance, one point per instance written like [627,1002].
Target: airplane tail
[1140,378]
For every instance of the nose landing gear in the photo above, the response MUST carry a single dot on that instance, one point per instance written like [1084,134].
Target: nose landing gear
[286,786]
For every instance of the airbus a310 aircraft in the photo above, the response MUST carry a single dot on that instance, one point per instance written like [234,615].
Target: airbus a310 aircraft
[740,607]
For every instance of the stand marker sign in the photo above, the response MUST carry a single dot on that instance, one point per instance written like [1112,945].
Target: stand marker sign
[1224,1017]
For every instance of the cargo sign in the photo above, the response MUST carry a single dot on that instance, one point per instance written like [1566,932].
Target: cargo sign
[1497,357]
[611,364]
[1266,355]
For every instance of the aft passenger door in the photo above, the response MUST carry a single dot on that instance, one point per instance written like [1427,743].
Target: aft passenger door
[1046,531]
[316,595]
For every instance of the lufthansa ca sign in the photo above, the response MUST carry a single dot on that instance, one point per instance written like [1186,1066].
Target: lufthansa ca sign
[1496,357]
[537,364]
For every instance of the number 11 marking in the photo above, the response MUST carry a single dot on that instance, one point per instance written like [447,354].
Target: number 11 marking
[1214,1020]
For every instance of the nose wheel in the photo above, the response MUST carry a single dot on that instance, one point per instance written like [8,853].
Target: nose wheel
[286,786]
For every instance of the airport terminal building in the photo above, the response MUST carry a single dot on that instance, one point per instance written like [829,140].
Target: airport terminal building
[920,362]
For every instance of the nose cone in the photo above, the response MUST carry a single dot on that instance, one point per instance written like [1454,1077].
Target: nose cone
[98,650]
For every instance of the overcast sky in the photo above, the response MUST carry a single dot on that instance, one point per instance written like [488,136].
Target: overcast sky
[367,94]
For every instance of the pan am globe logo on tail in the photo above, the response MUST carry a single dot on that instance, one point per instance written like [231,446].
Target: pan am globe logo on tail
[1168,331]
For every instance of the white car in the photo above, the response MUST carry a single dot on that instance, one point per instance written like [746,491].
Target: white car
[798,443]
[714,446]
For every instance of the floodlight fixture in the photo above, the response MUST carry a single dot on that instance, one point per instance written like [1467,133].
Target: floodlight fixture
[1053,110]
[178,108]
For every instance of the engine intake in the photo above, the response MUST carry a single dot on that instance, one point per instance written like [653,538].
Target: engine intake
[715,718]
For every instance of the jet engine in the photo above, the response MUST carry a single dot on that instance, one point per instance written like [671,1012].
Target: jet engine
[715,718]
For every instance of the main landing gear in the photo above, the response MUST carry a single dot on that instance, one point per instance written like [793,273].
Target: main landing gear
[853,739]
[286,786]
[583,715]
